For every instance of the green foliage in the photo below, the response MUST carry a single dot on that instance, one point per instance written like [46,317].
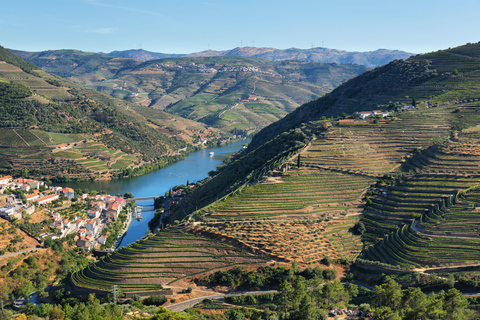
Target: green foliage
[12,91]
[9,57]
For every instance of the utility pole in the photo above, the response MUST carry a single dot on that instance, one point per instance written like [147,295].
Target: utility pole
[115,294]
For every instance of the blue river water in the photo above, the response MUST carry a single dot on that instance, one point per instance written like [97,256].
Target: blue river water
[193,168]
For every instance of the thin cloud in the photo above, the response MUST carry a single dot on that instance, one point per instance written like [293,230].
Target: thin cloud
[100,4]
[103,30]
[12,24]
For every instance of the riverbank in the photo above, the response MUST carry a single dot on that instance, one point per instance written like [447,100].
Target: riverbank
[124,230]
[144,168]
[193,168]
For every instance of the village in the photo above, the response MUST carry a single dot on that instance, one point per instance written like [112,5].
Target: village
[86,217]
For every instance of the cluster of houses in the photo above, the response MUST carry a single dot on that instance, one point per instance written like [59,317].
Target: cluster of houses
[102,209]
[192,67]
[246,69]
[370,114]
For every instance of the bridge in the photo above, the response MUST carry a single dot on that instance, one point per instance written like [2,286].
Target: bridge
[142,199]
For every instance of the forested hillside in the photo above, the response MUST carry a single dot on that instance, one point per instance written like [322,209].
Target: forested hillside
[52,126]
[212,90]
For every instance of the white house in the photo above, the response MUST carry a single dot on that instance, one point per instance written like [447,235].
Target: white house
[102,239]
[31,197]
[5,179]
[68,192]
[93,213]
[91,225]
[364,114]
[47,199]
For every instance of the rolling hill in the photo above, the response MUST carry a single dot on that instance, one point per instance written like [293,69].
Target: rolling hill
[369,59]
[54,127]
[410,179]
[212,90]
[142,55]
[395,194]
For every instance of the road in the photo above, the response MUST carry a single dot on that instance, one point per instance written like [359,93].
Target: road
[181,306]
[20,252]
[190,303]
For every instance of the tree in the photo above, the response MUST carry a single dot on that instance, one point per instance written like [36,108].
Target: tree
[451,280]
[57,313]
[5,314]
[386,313]
[359,228]
[128,195]
[456,305]
[414,102]
[334,292]
[299,162]
[414,304]
[285,290]
[388,294]
[305,310]
[330,274]
[353,290]
[24,173]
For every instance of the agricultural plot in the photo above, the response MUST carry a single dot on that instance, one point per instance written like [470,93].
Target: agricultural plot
[429,219]
[306,241]
[408,249]
[375,149]
[409,200]
[11,139]
[303,191]
[458,219]
[160,260]
[96,157]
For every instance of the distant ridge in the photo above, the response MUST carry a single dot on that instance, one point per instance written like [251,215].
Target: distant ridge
[370,59]
[142,55]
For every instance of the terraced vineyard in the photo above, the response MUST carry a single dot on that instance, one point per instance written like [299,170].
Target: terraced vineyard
[300,192]
[36,84]
[160,260]
[306,241]
[377,149]
[429,219]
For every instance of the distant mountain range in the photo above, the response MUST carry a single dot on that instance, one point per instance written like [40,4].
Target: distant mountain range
[142,55]
[370,59]
[212,90]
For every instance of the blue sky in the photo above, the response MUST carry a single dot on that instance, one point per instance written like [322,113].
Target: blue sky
[184,26]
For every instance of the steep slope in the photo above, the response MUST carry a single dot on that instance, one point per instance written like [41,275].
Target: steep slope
[214,91]
[369,59]
[420,158]
[52,126]
[432,78]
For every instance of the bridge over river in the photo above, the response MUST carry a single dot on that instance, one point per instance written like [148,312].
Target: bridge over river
[142,199]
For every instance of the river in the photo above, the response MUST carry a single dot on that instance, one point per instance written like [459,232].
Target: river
[193,168]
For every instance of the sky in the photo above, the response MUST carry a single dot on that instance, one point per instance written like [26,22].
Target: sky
[186,26]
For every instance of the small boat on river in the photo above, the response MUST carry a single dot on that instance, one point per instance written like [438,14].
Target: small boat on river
[211,153]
